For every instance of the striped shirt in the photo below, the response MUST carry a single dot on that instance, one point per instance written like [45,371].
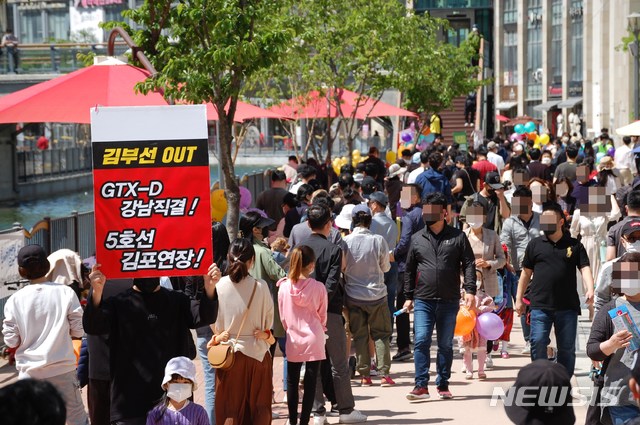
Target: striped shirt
[190,414]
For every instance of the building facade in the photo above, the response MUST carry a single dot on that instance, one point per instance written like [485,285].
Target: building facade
[561,61]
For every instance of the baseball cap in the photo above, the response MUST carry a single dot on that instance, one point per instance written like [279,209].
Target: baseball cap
[491,145]
[415,159]
[253,219]
[493,179]
[380,198]
[631,226]
[539,380]
[362,208]
[33,256]
[181,366]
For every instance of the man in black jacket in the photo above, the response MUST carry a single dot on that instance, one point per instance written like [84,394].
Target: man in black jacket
[438,255]
[147,326]
[327,270]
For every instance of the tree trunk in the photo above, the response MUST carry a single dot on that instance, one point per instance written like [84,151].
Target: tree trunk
[232,190]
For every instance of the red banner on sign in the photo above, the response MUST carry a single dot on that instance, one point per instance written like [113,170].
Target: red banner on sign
[152,208]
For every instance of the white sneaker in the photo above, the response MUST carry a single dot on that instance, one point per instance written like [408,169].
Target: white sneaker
[468,375]
[527,348]
[354,417]
[320,420]
[284,399]
[275,415]
[488,363]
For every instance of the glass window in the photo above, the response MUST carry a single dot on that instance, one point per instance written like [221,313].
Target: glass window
[534,50]
[510,46]
[556,41]
[510,11]
[31,30]
[59,24]
[575,13]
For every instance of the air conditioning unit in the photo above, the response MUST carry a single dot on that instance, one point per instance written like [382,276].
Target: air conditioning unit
[537,75]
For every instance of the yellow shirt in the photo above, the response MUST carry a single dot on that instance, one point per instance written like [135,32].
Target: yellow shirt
[435,124]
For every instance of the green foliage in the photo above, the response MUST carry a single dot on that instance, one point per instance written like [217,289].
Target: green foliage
[626,41]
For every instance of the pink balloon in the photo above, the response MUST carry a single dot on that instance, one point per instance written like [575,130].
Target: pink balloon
[245,198]
[490,326]
[514,137]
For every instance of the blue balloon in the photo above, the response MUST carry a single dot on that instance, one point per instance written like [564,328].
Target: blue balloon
[530,127]
[519,128]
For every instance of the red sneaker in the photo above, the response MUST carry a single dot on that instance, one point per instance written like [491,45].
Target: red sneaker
[418,393]
[387,381]
[366,381]
[444,393]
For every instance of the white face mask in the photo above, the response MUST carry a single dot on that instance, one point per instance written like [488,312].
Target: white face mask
[179,392]
[546,160]
[633,247]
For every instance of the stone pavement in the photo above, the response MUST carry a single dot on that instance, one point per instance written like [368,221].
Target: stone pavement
[387,405]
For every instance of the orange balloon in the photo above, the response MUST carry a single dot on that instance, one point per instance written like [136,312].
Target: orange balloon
[77,343]
[465,321]
[532,136]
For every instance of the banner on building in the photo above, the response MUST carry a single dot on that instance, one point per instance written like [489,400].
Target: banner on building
[151,191]
[10,244]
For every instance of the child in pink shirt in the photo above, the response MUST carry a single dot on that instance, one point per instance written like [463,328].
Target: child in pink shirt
[474,341]
[303,310]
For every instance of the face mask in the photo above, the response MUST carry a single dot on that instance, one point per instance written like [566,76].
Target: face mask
[474,224]
[147,285]
[546,160]
[179,392]
[633,247]
[548,233]
[430,222]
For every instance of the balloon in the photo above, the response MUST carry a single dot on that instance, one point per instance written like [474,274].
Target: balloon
[465,321]
[490,326]
[611,152]
[391,157]
[544,139]
[409,146]
[514,137]
[532,136]
[355,152]
[519,128]
[599,156]
[245,198]
[218,205]
[530,127]
[407,137]
[336,168]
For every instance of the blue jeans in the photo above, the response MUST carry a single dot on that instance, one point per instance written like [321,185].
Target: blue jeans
[282,343]
[209,375]
[391,281]
[622,414]
[427,315]
[565,323]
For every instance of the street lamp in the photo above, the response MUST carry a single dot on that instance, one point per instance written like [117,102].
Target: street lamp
[634,27]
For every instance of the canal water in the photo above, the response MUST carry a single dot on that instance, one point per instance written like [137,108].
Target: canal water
[29,213]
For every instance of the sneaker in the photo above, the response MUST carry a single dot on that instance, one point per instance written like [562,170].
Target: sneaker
[354,417]
[366,381]
[482,375]
[387,381]
[468,375]
[334,412]
[320,420]
[504,354]
[418,393]
[275,415]
[496,345]
[373,369]
[488,363]
[402,356]
[444,393]
[527,348]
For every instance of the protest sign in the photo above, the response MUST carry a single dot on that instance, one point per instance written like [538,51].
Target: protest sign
[151,191]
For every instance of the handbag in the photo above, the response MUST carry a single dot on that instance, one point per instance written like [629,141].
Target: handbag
[222,356]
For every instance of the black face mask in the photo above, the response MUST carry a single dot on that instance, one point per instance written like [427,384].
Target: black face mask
[491,192]
[147,285]
[265,232]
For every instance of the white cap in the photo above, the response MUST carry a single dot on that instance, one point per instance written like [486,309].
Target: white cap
[182,366]
[343,220]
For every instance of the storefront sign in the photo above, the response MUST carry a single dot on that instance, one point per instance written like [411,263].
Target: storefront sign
[151,191]
[575,88]
[95,3]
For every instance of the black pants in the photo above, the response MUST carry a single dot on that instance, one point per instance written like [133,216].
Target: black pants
[98,398]
[402,321]
[310,378]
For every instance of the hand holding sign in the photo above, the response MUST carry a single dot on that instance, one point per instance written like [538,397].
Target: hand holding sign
[98,280]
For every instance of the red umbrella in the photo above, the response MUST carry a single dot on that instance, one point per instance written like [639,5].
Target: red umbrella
[502,118]
[70,97]
[315,105]
[244,111]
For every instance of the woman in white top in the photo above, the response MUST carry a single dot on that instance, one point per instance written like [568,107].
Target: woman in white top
[243,392]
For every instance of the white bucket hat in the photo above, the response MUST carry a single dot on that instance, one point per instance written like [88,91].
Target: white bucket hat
[181,366]
[343,220]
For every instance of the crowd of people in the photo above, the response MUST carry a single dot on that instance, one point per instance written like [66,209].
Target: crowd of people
[327,265]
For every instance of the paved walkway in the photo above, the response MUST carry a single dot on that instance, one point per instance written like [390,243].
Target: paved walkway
[388,405]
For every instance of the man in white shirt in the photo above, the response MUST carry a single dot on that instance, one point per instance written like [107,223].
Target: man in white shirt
[493,157]
[625,161]
[40,320]
[424,164]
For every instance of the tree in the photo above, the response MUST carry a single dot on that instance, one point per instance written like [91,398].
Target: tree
[204,50]
[369,46]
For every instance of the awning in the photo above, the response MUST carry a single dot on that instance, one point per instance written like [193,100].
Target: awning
[505,106]
[544,107]
[570,102]
[502,118]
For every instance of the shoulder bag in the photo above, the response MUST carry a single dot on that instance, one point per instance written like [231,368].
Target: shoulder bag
[222,356]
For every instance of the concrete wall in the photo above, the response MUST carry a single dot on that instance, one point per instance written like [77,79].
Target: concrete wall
[6,172]
[80,182]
